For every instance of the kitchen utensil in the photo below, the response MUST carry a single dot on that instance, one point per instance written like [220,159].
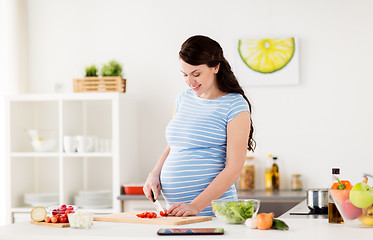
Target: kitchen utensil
[130,217]
[317,200]
[157,205]
[58,225]
[133,190]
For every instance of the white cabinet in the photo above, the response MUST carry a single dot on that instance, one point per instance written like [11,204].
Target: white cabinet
[109,116]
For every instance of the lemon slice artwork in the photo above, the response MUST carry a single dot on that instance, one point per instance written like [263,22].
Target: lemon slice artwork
[266,55]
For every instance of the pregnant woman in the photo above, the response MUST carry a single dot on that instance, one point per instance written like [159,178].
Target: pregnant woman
[208,136]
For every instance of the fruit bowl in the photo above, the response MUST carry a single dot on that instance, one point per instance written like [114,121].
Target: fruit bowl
[355,206]
[235,211]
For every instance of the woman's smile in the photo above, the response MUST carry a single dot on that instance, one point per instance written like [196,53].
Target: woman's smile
[196,88]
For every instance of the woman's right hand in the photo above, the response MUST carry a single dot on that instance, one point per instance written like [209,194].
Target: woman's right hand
[152,184]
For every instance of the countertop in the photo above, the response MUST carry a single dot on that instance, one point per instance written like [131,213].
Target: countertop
[263,195]
[301,227]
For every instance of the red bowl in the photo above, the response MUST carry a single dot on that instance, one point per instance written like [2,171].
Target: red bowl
[133,190]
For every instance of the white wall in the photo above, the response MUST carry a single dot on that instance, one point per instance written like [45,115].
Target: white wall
[14,78]
[323,122]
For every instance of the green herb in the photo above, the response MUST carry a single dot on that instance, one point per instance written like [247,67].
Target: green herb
[91,71]
[113,68]
[234,212]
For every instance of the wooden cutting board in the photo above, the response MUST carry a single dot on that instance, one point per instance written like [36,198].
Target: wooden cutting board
[59,225]
[130,217]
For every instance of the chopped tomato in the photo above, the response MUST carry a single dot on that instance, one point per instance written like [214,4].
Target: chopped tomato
[147,215]
[163,214]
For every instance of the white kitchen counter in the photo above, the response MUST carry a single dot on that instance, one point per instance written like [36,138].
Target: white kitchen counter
[301,227]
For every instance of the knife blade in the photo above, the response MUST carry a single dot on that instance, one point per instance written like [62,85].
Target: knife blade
[157,205]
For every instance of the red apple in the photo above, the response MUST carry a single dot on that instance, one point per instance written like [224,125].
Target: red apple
[350,211]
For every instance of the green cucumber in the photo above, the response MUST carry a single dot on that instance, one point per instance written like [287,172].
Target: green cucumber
[279,224]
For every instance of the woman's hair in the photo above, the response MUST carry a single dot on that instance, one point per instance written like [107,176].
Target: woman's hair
[198,50]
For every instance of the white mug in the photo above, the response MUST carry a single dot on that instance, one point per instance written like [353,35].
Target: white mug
[69,144]
[85,144]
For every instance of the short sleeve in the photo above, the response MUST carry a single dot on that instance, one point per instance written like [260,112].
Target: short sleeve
[239,104]
[178,101]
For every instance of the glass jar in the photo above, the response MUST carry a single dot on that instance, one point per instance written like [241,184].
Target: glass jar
[296,182]
[247,178]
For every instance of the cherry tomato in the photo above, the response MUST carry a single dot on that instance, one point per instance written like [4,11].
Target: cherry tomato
[70,208]
[63,219]
[55,212]
[54,219]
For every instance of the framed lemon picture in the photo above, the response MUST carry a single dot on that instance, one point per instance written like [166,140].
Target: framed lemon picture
[267,61]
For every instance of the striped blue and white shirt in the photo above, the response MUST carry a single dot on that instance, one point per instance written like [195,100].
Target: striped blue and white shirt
[197,136]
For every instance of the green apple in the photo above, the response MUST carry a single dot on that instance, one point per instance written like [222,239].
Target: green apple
[361,195]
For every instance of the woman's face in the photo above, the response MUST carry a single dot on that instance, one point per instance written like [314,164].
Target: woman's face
[201,78]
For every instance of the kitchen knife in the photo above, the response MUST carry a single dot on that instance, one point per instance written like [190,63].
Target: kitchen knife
[157,205]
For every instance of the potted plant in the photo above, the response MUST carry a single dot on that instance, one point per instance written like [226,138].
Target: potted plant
[91,71]
[111,79]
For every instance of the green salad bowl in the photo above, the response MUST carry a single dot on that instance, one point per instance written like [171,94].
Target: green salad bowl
[235,212]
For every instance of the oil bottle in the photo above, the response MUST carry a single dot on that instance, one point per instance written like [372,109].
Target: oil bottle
[333,214]
[272,176]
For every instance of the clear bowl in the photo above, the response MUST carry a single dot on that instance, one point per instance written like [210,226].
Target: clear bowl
[80,219]
[353,216]
[235,212]
[59,211]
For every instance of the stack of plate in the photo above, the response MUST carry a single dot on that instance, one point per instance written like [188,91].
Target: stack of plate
[94,199]
[41,199]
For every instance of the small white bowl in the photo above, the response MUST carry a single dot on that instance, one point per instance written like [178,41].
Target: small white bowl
[43,145]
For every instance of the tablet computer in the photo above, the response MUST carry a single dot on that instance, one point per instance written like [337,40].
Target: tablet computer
[190,231]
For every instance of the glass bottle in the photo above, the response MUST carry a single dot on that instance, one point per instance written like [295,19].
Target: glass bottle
[333,214]
[247,178]
[268,174]
[272,177]
[275,175]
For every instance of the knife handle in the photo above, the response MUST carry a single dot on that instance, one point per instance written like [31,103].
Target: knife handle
[152,196]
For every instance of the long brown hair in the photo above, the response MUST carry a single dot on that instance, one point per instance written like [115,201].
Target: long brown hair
[198,50]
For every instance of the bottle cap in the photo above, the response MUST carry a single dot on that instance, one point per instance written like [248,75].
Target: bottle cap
[335,170]
[274,158]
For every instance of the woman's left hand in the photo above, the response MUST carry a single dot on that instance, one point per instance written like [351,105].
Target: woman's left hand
[182,209]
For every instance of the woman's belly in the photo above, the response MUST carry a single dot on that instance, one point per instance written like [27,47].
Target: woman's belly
[183,178]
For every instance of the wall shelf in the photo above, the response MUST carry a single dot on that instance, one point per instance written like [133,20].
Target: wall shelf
[109,116]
